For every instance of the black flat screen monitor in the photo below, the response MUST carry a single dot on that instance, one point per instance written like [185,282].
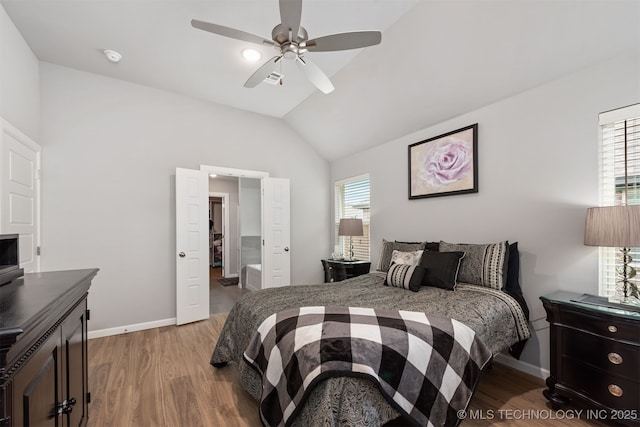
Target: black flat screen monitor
[9,257]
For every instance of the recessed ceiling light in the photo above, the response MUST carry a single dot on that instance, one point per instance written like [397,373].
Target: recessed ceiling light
[213,175]
[251,55]
[112,55]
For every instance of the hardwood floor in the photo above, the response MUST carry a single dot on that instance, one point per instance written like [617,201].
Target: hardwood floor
[222,298]
[162,377]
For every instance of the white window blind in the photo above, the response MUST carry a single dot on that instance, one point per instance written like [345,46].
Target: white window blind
[352,201]
[614,125]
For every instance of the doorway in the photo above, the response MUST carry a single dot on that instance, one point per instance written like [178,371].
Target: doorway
[192,237]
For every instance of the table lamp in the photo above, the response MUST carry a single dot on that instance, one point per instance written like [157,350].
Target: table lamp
[617,226]
[350,227]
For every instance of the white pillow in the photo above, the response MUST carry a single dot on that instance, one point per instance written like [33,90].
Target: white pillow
[407,258]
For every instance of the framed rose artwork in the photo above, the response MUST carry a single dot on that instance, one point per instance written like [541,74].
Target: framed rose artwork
[444,165]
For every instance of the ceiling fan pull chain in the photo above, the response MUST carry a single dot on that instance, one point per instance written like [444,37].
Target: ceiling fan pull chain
[281,78]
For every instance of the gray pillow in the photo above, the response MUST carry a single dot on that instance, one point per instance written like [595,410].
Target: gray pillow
[387,250]
[484,265]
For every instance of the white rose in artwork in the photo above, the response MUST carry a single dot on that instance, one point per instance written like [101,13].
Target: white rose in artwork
[448,162]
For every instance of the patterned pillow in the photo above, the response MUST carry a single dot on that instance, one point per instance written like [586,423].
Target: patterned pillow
[409,258]
[406,276]
[484,265]
[387,250]
[441,269]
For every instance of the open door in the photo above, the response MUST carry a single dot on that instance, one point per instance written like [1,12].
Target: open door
[20,193]
[276,251]
[192,246]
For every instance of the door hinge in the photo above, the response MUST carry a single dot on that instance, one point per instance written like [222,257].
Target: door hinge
[38,250]
[88,316]
[88,397]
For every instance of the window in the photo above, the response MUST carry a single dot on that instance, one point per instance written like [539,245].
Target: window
[352,201]
[614,125]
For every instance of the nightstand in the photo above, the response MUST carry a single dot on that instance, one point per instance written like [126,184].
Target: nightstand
[338,270]
[595,357]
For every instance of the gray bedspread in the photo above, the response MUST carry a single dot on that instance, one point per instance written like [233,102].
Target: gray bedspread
[494,316]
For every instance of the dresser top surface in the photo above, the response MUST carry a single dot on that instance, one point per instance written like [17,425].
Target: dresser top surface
[574,299]
[27,297]
[348,262]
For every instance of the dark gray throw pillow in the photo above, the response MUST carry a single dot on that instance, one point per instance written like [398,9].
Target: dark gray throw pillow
[441,269]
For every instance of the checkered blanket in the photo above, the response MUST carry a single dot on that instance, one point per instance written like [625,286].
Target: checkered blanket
[427,366]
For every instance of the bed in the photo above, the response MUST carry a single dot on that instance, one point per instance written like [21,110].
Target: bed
[495,316]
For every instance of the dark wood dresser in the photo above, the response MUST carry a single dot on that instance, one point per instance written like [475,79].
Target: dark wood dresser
[595,357]
[338,270]
[43,349]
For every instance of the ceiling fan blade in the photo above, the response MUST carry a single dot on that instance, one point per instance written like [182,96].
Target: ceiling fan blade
[290,14]
[230,32]
[344,41]
[315,75]
[262,72]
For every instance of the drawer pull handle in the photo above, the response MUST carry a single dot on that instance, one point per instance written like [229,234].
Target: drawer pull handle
[612,328]
[615,358]
[615,390]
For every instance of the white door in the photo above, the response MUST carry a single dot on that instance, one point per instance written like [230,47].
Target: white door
[20,193]
[276,249]
[192,246]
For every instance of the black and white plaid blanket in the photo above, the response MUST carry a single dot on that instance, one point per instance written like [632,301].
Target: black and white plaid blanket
[427,366]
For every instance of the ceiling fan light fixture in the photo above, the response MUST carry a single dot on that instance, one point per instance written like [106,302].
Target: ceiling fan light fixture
[251,55]
[112,56]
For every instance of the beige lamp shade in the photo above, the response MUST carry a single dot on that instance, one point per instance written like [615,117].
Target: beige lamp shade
[613,226]
[350,227]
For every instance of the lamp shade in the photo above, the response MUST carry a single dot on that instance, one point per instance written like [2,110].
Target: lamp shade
[613,226]
[350,227]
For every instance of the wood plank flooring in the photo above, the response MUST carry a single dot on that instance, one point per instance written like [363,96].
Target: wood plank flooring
[162,377]
[222,298]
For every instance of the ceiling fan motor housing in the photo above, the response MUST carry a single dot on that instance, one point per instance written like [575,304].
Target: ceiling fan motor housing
[289,47]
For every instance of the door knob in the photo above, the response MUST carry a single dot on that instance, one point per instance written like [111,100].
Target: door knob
[182,255]
[286,248]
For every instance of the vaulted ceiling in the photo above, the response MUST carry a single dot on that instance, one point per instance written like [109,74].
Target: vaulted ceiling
[438,58]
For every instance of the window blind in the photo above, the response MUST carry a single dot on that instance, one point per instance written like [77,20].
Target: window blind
[352,201]
[614,125]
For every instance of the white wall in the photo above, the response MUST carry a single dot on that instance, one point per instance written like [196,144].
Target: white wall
[110,150]
[538,173]
[19,80]
[250,216]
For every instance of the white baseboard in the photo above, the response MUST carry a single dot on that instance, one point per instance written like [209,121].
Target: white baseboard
[525,367]
[131,328]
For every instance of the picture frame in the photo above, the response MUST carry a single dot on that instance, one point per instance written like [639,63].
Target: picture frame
[444,165]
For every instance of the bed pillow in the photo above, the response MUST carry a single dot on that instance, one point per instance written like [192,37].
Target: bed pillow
[387,250]
[513,270]
[428,246]
[441,268]
[484,265]
[409,258]
[406,276]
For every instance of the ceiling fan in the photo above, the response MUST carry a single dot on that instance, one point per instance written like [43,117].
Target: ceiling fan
[291,41]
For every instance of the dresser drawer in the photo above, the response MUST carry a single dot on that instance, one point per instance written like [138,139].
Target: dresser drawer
[609,355]
[599,386]
[612,327]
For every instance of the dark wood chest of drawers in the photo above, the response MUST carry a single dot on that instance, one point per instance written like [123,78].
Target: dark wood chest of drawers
[595,357]
[338,270]
[43,349]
